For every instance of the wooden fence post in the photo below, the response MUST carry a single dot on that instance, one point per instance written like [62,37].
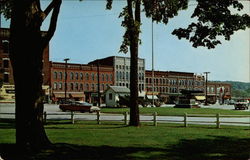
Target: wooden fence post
[185,120]
[98,117]
[155,120]
[126,118]
[44,117]
[72,117]
[218,120]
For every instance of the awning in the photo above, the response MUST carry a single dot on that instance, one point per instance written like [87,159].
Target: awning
[151,97]
[200,98]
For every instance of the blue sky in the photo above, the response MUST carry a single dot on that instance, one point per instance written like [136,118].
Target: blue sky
[86,31]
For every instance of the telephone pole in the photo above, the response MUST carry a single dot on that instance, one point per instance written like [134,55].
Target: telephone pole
[65,82]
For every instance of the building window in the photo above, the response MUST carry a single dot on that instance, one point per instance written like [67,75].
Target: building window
[87,76]
[60,75]
[93,87]
[5,63]
[120,75]
[110,96]
[71,75]
[81,86]
[117,75]
[55,75]
[76,86]
[86,87]
[81,76]
[6,78]
[5,46]
[71,86]
[102,77]
[93,76]
[76,76]
[60,86]
[111,77]
[107,77]
[55,86]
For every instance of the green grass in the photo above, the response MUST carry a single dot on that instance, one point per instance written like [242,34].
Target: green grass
[87,140]
[177,111]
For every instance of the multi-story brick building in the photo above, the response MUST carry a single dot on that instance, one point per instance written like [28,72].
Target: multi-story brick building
[168,84]
[82,81]
[6,72]
[121,67]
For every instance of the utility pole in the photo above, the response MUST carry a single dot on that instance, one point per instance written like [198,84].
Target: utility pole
[98,83]
[152,31]
[65,82]
[206,86]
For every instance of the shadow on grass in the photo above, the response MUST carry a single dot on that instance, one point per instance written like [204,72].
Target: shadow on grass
[216,148]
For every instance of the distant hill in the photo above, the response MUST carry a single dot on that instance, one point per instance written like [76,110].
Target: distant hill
[239,85]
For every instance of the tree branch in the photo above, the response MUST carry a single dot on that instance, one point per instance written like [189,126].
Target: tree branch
[48,9]
[53,21]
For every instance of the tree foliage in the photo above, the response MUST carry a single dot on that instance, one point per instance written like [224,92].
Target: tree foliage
[215,18]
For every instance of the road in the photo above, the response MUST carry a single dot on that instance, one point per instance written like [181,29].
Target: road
[53,112]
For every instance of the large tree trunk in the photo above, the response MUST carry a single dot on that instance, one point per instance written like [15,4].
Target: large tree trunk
[27,43]
[134,31]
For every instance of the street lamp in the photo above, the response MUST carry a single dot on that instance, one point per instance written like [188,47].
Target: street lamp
[206,86]
[65,82]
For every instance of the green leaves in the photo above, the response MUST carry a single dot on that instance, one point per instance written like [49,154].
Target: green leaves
[162,10]
[214,19]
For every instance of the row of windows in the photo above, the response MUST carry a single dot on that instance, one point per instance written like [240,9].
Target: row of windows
[79,87]
[127,67]
[174,82]
[82,76]
[141,86]
[126,76]
[167,89]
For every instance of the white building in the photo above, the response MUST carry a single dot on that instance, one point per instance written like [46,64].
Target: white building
[112,95]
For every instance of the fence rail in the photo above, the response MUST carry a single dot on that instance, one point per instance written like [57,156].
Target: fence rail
[185,119]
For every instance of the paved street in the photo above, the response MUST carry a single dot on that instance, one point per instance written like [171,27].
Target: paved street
[54,112]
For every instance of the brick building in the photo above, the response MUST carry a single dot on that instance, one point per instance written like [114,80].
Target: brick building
[82,81]
[6,73]
[218,91]
[168,84]
[121,67]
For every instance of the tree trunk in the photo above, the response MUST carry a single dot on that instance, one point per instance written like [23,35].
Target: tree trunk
[26,50]
[134,31]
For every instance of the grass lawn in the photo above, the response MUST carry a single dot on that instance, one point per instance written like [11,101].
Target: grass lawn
[87,140]
[177,111]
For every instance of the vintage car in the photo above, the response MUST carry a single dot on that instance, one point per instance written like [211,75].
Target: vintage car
[241,104]
[79,106]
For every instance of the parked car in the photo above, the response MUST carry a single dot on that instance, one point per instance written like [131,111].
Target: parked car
[79,106]
[241,104]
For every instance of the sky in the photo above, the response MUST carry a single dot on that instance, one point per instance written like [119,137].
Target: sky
[87,31]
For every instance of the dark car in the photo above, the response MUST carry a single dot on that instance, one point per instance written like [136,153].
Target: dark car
[76,106]
[241,104]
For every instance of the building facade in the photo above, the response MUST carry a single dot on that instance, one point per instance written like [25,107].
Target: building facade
[6,72]
[218,91]
[168,84]
[81,81]
[121,67]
